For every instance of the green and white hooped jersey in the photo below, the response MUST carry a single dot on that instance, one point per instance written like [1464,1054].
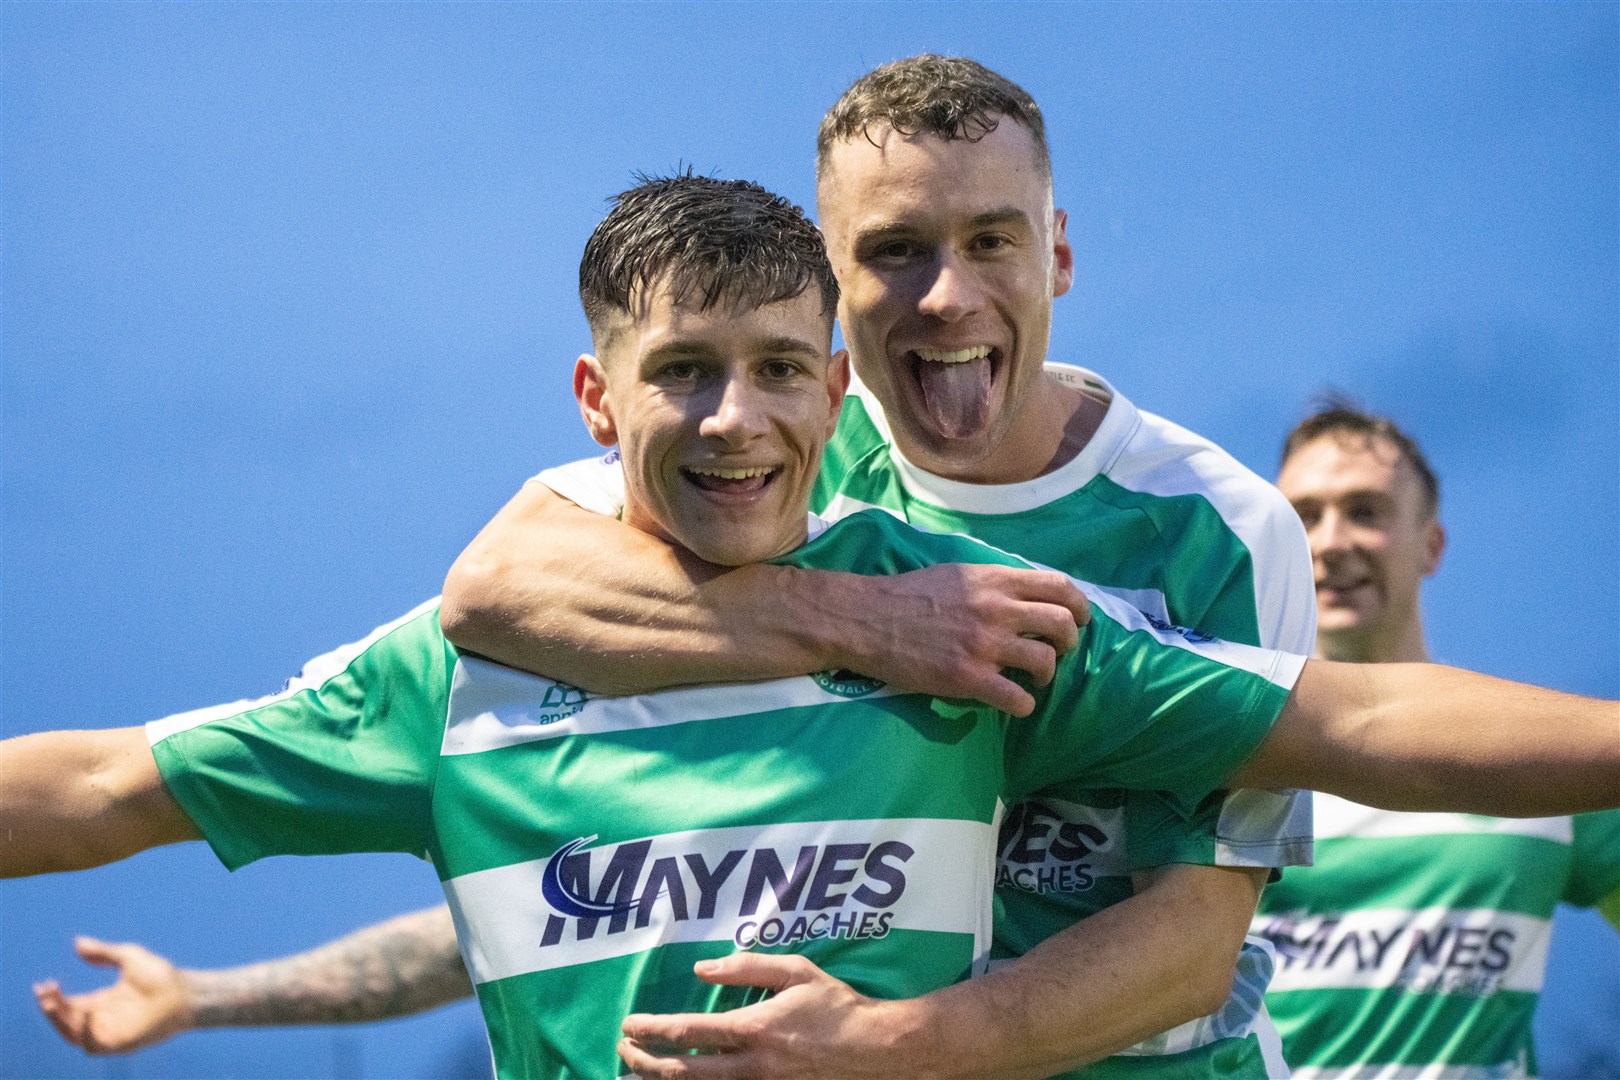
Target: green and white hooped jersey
[1168,521]
[1155,515]
[592,849]
[1416,946]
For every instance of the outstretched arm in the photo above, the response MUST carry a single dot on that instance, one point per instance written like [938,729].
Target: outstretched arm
[1129,972]
[552,588]
[405,965]
[75,799]
[1426,737]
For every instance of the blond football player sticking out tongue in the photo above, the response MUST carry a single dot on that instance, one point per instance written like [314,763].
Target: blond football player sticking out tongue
[947,300]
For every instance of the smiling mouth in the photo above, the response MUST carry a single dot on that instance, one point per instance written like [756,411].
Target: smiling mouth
[955,385]
[733,481]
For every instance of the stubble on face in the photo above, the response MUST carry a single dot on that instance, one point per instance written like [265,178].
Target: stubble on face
[949,255]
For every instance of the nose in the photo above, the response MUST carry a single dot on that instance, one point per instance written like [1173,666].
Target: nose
[737,413]
[954,294]
[1331,535]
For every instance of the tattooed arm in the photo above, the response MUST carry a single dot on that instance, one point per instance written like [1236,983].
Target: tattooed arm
[402,966]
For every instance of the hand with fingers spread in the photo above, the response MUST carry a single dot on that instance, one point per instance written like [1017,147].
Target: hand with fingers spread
[791,1035]
[953,630]
[147,1004]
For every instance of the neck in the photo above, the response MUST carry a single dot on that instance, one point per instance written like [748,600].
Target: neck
[1375,645]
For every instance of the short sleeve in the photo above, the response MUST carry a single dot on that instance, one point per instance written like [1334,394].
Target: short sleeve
[1595,858]
[342,760]
[1150,707]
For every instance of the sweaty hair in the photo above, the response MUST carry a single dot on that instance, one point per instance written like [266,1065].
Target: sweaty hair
[1340,416]
[725,241]
[948,96]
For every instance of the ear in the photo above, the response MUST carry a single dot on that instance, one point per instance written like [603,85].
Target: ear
[837,387]
[591,391]
[1435,546]
[1062,254]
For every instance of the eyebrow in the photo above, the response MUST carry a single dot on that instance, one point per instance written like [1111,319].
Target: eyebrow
[1004,215]
[786,344]
[683,347]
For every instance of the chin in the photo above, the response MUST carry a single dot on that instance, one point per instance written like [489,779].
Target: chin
[1340,620]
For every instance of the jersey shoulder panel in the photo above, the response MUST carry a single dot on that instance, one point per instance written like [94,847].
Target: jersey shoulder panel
[1165,460]
[341,760]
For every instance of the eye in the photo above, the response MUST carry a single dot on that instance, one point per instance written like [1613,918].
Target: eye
[991,242]
[1366,512]
[779,370]
[1309,515]
[891,250]
[679,371]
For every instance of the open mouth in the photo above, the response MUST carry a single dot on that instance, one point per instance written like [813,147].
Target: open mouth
[955,386]
[742,480]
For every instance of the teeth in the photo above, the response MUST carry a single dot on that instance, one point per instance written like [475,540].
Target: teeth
[734,474]
[954,356]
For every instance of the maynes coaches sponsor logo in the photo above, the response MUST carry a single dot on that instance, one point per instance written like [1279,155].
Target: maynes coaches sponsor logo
[775,896]
[1051,846]
[836,883]
[1470,953]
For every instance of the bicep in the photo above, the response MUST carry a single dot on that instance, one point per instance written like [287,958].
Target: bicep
[1316,741]
[77,799]
[145,807]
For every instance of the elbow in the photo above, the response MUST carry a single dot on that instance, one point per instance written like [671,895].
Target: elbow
[1207,988]
[469,609]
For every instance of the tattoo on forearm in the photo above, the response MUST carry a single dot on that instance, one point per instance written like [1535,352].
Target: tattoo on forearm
[403,966]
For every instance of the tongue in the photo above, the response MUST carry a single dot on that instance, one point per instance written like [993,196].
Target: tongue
[957,396]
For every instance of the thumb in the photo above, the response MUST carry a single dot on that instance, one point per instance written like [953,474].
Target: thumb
[100,953]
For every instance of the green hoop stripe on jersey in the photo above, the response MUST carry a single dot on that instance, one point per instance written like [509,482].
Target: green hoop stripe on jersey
[1172,525]
[582,841]
[1417,944]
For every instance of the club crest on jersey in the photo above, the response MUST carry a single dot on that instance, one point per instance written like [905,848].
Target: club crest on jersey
[754,896]
[846,683]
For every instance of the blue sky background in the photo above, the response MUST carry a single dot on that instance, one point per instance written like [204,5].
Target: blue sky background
[288,312]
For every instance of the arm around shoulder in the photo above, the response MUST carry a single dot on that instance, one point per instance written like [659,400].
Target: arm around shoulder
[575,595]
[552,588]
[70,800]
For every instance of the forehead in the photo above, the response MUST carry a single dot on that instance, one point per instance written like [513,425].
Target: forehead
[892,174]
[657,323]
[1336,464]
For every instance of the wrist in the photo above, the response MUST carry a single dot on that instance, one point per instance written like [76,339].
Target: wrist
[190,1011]
[817,611]
[920,1040]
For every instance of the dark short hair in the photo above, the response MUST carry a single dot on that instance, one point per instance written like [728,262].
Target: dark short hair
[948,96]
[1339,415]
[727,240]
